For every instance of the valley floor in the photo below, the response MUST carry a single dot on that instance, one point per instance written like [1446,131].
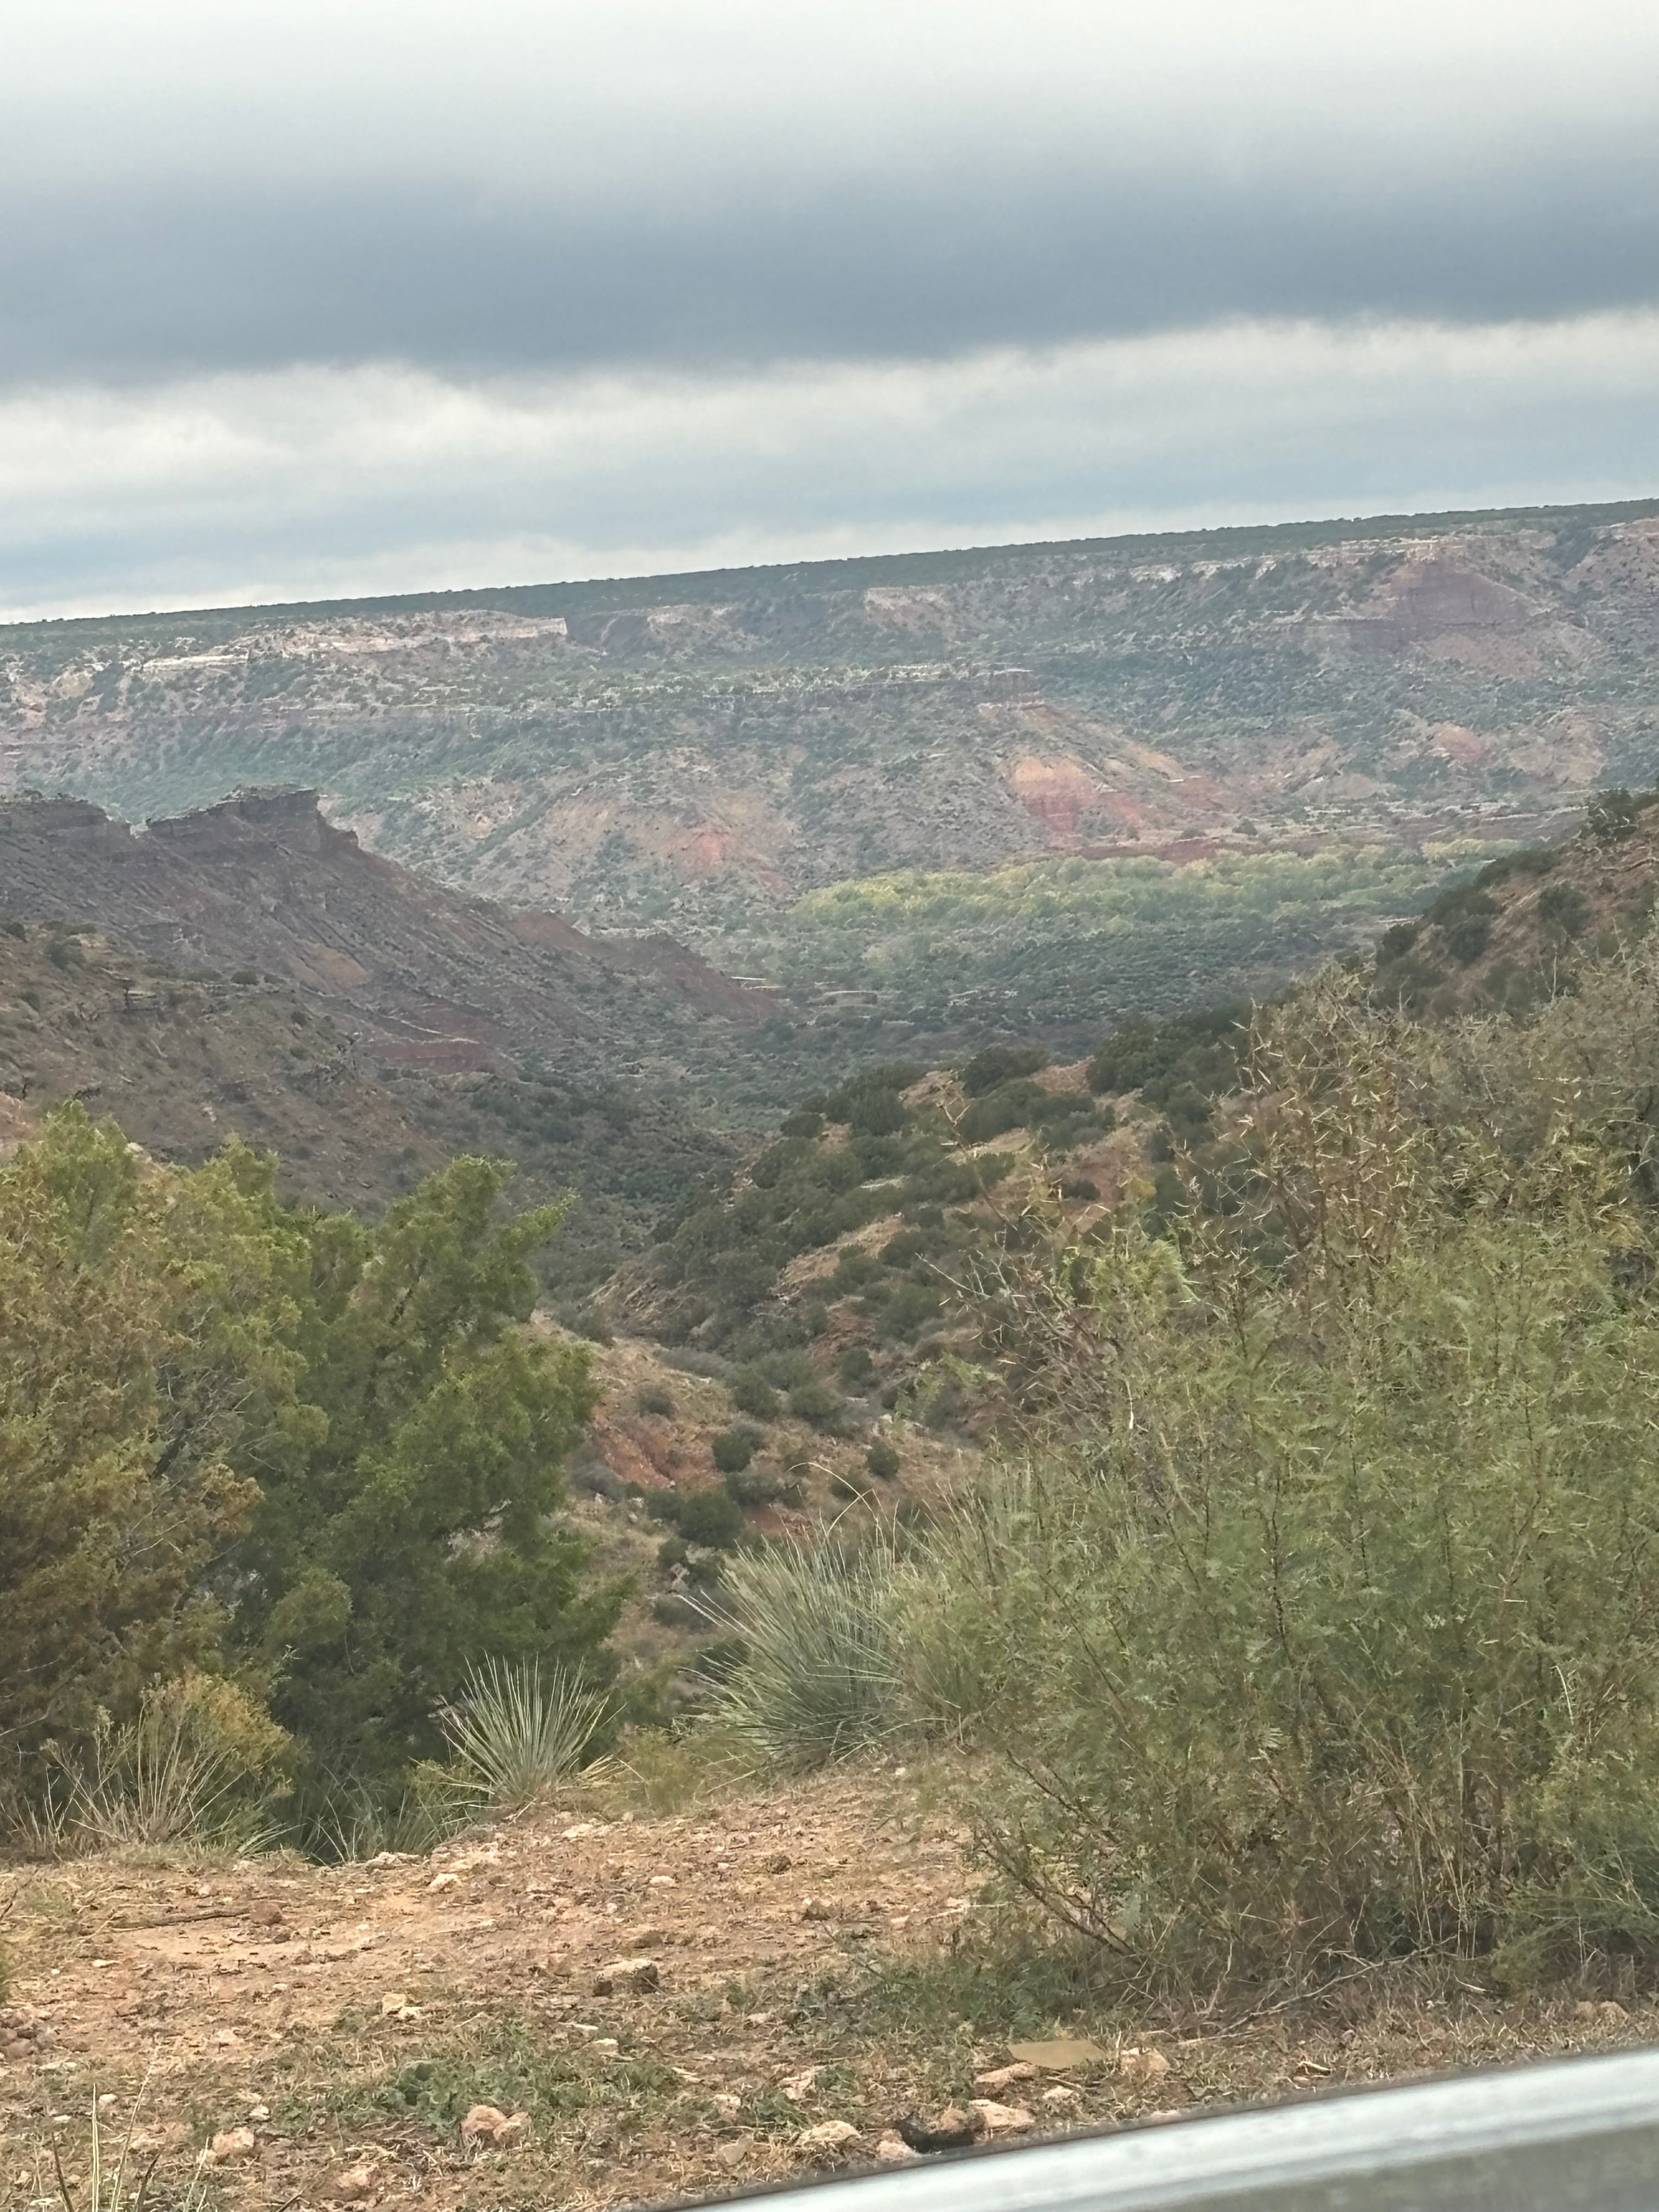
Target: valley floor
[332,2027]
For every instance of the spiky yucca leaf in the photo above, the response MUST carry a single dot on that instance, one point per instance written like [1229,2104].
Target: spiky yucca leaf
[516,1735]
[819,1678]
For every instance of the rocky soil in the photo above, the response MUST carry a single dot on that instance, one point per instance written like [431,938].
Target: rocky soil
[607,2005]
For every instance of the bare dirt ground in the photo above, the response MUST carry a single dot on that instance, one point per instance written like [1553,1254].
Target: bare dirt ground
[809,1984]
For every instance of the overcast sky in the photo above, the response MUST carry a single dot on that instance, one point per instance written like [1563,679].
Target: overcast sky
[305,299]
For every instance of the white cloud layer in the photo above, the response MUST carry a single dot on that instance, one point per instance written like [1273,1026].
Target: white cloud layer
[512,89]
[311,482]
[299,295]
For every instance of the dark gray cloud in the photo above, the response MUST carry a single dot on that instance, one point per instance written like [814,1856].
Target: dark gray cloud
[168,277]
[310,296]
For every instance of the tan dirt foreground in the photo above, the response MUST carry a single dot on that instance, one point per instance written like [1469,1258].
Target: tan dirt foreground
[577,2011]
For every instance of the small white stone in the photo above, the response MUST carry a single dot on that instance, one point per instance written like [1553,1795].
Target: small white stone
[831,2135]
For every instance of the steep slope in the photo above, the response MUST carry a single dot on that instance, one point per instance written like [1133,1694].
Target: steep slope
[251,970]
[860,1244]
[707,748]
[1525,927]
[185,1062]
[425,978]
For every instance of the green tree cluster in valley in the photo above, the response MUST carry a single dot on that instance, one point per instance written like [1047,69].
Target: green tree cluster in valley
[313,1460]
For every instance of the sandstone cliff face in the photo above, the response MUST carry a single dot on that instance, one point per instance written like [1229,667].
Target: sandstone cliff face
[697,750]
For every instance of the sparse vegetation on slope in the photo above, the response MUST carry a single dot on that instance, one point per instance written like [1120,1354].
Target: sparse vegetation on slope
[1331,1511]
[186,1059]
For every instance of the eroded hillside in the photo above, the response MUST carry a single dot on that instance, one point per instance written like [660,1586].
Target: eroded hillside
[250,971]
[185,1063]
[709,748]
[427,978]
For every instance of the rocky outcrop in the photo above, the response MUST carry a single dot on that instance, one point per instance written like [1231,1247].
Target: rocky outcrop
[422,975]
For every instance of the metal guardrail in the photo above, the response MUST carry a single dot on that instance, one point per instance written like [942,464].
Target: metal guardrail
[1578,2134]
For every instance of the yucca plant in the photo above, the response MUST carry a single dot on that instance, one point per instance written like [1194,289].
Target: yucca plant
[515,1735]
[819,1678]
[155,1779]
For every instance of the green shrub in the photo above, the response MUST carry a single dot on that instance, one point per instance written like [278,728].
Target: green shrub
[1463,899]
[785,1366]
[815,1403]
[870,1103]
[876,1113]
[905,1248]
[909,1307]
[1612,815]
[1010,1106]
[779,1163]
[758,1486]
[123,1384]
[710,1517]
[1188,1112]
[856,1365]
[1564,906]
[732,1449]
[998,1064]
[882,1460]
[751,1393]
[854,1269]
[1530,861]
[670,1610]
[1201,1048]
[281,1444]
[1467,937]
[653,1398]
[1346,1594]
[743,1278]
